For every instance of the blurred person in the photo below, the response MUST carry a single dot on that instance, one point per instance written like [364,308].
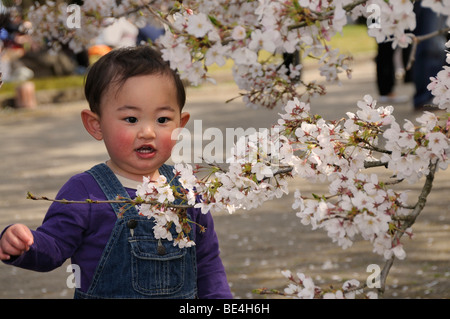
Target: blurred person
[430,54]
[14,44]
[389,67]
[148,32]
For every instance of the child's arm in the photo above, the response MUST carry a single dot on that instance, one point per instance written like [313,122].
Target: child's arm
[211,277]
[16,240]
[56,239]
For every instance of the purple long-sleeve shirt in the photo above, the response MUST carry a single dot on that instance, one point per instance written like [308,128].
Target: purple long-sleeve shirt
[81,231]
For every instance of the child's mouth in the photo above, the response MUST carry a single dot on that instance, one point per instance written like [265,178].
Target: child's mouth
[145,150]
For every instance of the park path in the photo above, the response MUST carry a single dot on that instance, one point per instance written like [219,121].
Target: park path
[42,148]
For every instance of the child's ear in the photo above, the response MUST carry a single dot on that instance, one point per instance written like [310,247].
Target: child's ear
[91,122]
[184,119]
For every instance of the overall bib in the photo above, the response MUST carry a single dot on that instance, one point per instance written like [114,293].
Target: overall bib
[134,264]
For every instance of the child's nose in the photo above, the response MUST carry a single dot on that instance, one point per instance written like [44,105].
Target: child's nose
[146,132]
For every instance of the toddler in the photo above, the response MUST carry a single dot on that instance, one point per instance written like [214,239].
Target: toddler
[136,102]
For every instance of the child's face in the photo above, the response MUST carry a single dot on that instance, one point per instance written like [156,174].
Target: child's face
[137,122]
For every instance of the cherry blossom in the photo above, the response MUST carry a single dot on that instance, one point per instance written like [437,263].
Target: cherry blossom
[198,25]
[239,33]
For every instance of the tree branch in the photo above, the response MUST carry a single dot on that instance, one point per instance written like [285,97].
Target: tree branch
[370,164]
[418,207]
[137,201]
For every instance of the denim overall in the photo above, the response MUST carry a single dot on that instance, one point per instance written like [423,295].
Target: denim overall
[134,264]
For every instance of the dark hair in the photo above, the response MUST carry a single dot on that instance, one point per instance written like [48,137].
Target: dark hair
[121,64]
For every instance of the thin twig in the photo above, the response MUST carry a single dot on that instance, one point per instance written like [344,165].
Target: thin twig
[371,147]
[394,182]
[118,201]
[160,19]
[421,38]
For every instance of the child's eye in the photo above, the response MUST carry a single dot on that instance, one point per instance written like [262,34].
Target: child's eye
[131,120]
[163,120]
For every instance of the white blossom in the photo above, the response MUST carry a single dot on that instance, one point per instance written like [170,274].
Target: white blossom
[239,33]
[198,25]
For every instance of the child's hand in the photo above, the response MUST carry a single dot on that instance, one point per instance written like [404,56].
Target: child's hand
[16,240]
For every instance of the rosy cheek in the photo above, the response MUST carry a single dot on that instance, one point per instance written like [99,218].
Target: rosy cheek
[166,143]
[120,141]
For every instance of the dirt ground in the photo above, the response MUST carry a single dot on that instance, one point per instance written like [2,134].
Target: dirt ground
[42,148]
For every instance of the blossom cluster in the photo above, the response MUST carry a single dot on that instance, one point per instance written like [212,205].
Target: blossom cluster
[396,20]
[338,152]
[440,84]
[303,287]
[252,177]
[358,204]
[254,35]
[413,149]
[169,221]
[257,36]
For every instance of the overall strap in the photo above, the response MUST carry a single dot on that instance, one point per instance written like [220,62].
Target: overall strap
[110,185]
